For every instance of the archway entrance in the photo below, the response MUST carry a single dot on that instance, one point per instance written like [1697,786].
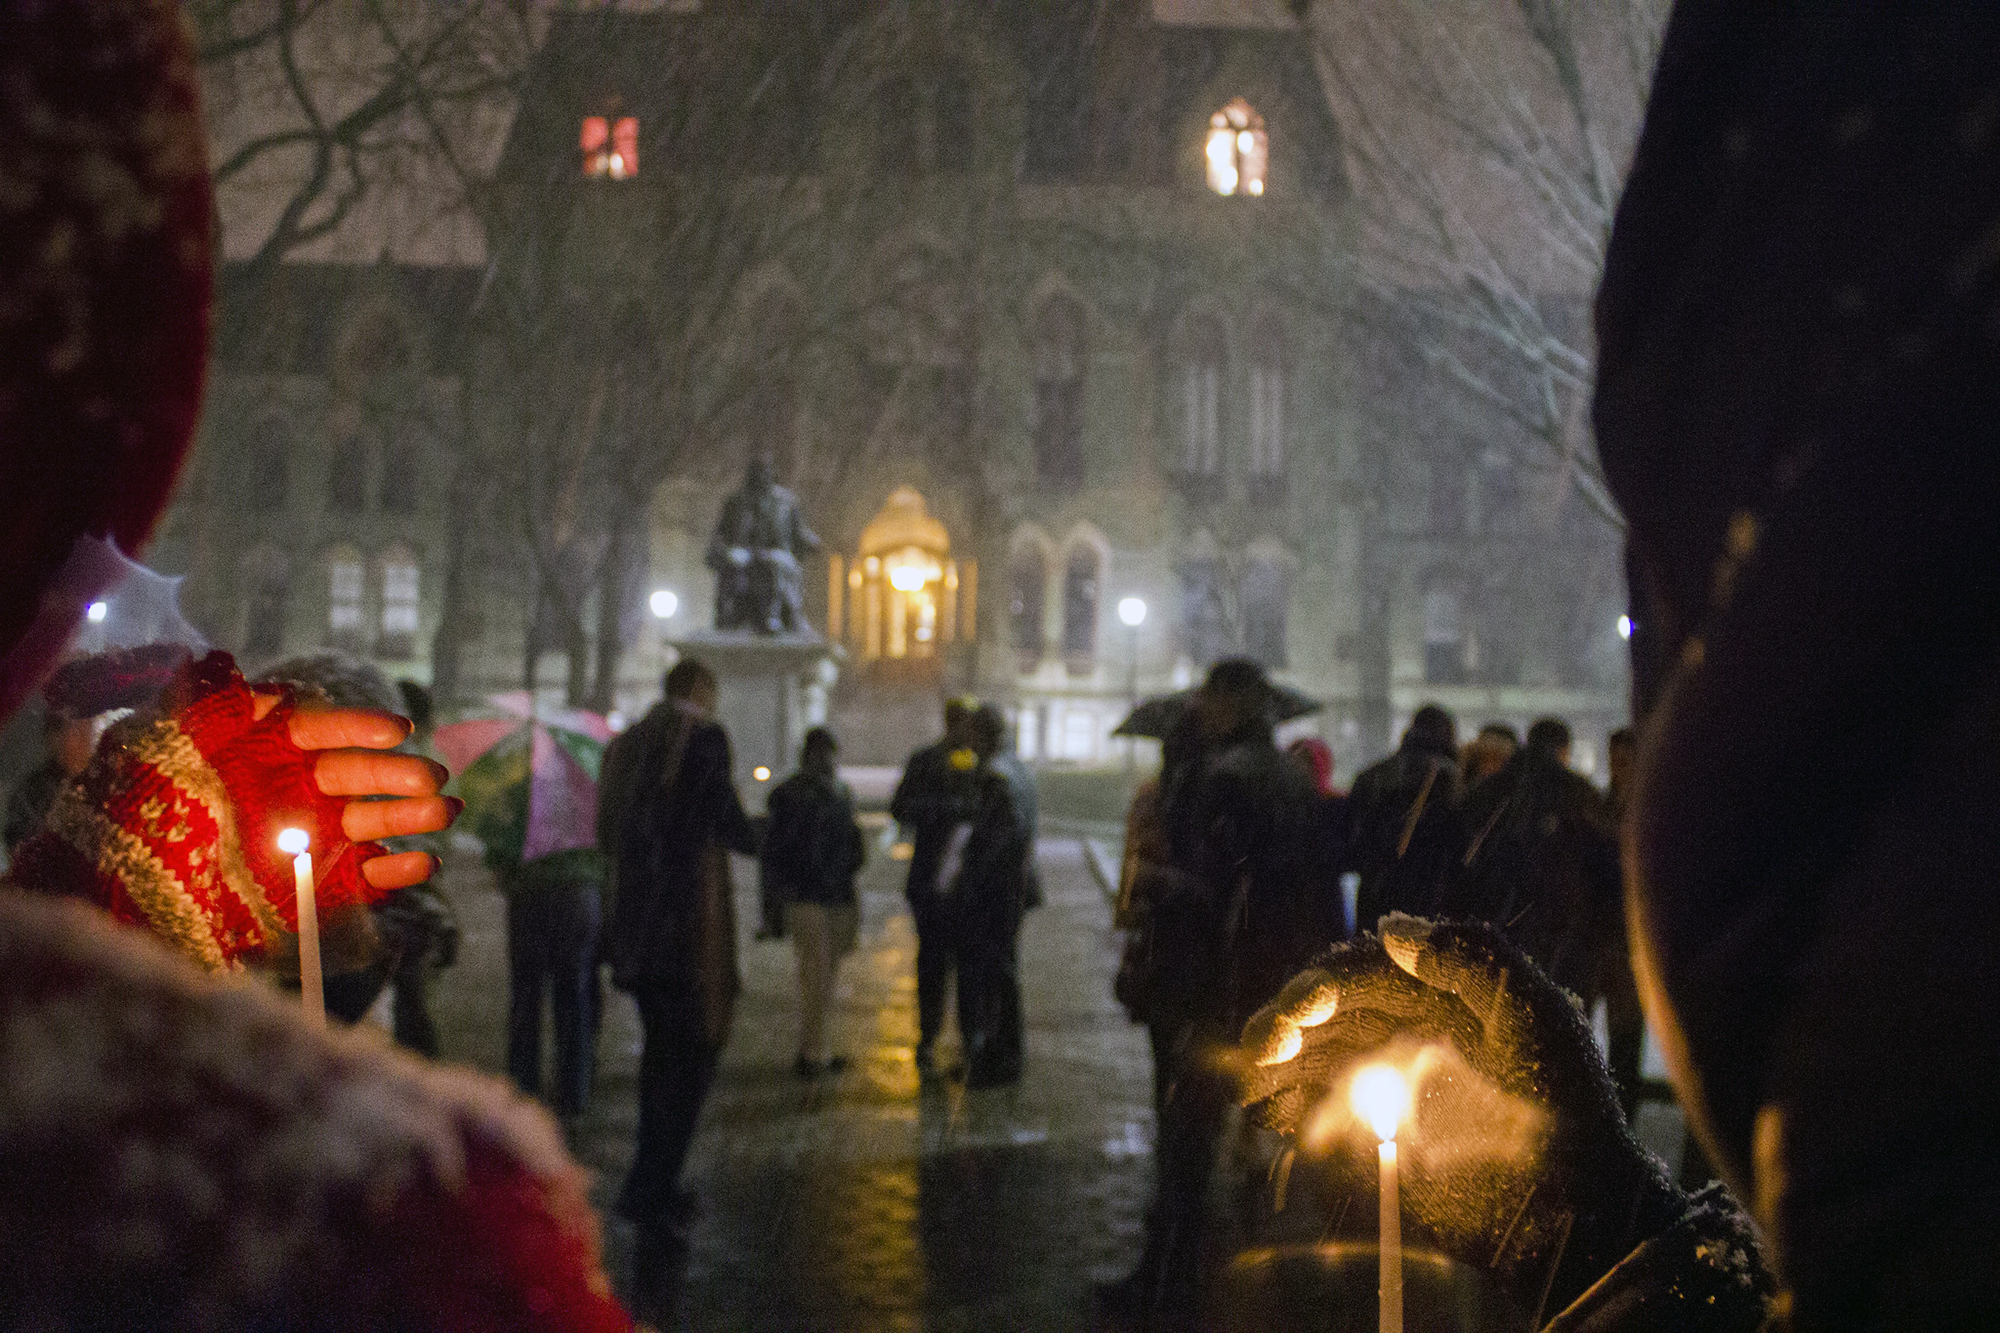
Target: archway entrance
[902,597]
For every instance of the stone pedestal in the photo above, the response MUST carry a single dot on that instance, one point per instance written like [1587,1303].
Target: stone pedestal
[772,688]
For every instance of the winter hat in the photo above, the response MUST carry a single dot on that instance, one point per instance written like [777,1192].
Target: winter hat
[106,255]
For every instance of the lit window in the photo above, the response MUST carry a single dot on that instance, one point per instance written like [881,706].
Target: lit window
[344,625]
[1444,635]
[1238,151]
[399,605]
[610,148]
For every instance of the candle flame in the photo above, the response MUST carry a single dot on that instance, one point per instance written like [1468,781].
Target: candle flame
[293,841]
[1381,1097]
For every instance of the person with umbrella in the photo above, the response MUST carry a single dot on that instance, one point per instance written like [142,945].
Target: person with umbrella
[529,781]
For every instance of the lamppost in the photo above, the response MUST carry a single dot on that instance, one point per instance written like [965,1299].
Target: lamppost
[1132,610]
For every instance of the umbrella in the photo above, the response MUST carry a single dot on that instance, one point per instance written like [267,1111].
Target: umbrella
[557,752]
[1153,718]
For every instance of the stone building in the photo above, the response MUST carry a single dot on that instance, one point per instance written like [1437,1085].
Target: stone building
[1041,308]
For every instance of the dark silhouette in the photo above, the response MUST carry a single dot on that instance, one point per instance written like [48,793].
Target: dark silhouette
[1402,821]
[667,806]
[937,792]
[755,552]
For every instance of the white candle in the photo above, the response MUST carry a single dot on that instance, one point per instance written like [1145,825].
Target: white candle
[1382,1098]
[312,991]
[1391,1280]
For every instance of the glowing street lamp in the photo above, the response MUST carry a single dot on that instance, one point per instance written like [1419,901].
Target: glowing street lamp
[1381,1097]
[1624,627]
[1132,610]
[907,578]
[664,603]
[96,612]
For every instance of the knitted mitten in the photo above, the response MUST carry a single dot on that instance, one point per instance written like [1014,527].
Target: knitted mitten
[174,826]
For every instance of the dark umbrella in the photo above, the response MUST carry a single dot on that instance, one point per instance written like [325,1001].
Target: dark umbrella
[1155,717]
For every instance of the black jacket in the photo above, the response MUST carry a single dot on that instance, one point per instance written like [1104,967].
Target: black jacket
[1541,863]
[1798,395]
[665,800]
[1253,894]
[996,877]
[934,795]
[813,847]
[1403,833]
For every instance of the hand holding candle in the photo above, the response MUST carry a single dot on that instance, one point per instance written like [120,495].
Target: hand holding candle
[295,842]
[1381,1097]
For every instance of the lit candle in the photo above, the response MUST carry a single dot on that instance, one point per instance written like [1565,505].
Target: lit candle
[294,842]
[1382,1098]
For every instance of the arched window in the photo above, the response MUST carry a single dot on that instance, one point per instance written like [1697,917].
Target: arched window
[402,477]
[1058,406]
[609,147]
[266,581]
[951,121]
[268,476]
[1267,402]
[1202,359]
[399,603]
[1238,150]
[1081,578]
[1027,602]
[346,627]
[1265,599]
[1205,628]
[1444,633]
[896,127]
[347,474]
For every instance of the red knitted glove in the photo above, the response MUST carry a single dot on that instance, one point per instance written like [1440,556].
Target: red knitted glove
[174,826]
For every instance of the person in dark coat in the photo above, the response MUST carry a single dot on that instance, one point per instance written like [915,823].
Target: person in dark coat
[812,851]
[1402,821]
[1251,895]
[1541,858]
[937,792]
[669,809]
[989,881]
[1797,399]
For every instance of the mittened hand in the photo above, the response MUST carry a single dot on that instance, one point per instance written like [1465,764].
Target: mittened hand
[1515,1155]
[175,824]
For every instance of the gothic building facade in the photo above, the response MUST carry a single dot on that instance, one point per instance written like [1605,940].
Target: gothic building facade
[1042,310]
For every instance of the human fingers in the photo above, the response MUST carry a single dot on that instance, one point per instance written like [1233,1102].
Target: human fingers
[1273,1034]
[371,821]
[370,773]
[399,870]
[340,728]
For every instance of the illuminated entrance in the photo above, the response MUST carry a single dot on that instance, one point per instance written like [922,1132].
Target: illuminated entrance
[902,596]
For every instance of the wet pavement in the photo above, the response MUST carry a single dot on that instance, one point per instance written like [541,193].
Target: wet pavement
[868,1199]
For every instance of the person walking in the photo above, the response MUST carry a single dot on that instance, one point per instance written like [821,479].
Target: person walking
[1402,823]
[669,815]
[1541,858]
[936,793]
[812,851]
[989,875]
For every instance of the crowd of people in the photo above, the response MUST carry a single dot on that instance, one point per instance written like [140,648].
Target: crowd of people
[1794,402]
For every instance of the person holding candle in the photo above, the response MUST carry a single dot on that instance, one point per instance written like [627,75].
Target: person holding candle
[278,1177]
[1513,1158]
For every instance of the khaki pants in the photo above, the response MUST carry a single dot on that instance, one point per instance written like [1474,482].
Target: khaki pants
[821,936]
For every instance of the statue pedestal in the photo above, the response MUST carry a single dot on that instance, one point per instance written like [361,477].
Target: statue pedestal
[773,687]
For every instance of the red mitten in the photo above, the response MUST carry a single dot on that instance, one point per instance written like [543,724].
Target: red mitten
[174,826]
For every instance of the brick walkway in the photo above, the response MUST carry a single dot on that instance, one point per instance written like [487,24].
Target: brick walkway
[867,1201]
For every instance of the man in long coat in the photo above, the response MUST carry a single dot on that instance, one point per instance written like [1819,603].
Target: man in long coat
[670,815]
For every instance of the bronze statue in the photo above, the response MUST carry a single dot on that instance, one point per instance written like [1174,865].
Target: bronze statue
[755,552]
